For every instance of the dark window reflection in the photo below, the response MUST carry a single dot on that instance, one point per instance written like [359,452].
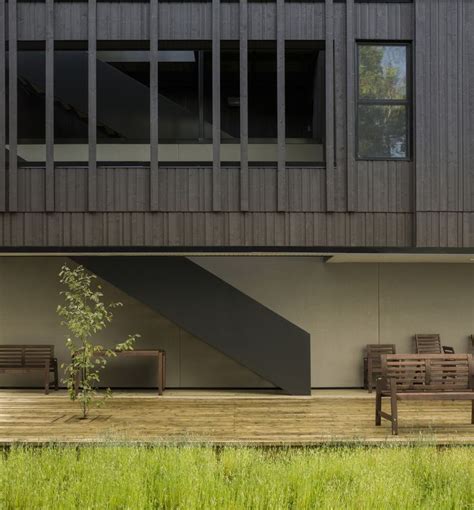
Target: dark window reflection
[123,97]
[70,96]
[262,88]
[305,94]
[31,84]
[179,91]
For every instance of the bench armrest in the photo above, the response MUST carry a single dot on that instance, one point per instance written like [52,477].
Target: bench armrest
[447,349]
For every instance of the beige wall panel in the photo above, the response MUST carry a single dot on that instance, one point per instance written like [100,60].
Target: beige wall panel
[426,298]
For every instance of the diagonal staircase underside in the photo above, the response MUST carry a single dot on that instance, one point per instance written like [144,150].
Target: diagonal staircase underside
[215,312]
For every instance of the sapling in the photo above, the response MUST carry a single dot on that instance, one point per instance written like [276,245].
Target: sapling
[85,314]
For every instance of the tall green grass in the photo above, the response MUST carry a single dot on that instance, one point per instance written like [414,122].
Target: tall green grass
[194,477]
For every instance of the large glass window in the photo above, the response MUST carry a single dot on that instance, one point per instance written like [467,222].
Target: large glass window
[383,108]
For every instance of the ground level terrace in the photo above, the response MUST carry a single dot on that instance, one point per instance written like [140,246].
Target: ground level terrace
[229,417]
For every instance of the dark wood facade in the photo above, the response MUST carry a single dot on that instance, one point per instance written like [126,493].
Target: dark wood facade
[425,202]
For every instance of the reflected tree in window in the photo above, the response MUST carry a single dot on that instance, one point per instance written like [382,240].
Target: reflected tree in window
[383,107]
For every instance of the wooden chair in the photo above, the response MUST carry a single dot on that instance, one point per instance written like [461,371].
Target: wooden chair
[372,362]
[30,358]
[430,343]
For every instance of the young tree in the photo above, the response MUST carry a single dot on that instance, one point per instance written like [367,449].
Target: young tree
[85,314]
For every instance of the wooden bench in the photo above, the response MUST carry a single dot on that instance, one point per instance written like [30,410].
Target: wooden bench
[423,377]
[30,358]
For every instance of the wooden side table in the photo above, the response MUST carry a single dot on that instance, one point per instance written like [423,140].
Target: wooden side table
[160,356]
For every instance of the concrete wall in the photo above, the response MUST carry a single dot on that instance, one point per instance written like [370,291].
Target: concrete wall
[343,306]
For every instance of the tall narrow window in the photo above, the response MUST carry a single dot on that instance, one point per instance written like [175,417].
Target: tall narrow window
[383,106]
[31,86]
[305,102]
[70,103]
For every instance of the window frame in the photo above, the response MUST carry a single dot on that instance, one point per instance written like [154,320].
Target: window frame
[407,102]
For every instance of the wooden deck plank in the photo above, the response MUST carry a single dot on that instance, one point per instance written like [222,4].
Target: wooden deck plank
[228,418]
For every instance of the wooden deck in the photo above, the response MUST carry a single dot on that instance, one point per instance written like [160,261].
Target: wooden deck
[222,417]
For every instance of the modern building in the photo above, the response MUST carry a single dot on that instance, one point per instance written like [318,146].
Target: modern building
[267,185]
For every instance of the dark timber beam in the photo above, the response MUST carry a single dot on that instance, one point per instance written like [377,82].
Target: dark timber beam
[329,135]
[13,107]
[216,105]
[350,74]
[154,191]
[92,88]
[49,104]
[3,176]
[244,108]
[282,190]
[215,312]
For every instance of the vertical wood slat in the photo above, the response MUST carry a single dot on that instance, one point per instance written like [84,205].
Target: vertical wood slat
[216,105]
[3,179]
[282,189]
[92,95]
[49,105]
[244,104]
[329,136]
[13,106]
[154,184]
[350,70]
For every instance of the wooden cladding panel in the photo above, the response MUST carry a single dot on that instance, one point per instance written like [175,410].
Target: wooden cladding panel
[384,21]
[444,121]
[185,189]
[3,127]
[444,229]
[384,186]
[177,20]
[223,229]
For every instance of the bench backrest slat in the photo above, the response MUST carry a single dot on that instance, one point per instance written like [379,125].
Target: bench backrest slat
[12,356]
[429,372]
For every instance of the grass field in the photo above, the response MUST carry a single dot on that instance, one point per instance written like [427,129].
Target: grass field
[193,477]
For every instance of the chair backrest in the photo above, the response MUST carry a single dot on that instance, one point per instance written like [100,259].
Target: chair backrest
[374,351]
[25,355]
[429,372]
[428,343]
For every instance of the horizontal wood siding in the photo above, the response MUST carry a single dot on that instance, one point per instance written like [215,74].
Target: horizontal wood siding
[444,105]
[114,230]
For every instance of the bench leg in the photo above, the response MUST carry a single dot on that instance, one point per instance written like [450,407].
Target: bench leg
[394,410]
[56,378]
[472,412]
[160,373]
[378,408]
[46,379]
